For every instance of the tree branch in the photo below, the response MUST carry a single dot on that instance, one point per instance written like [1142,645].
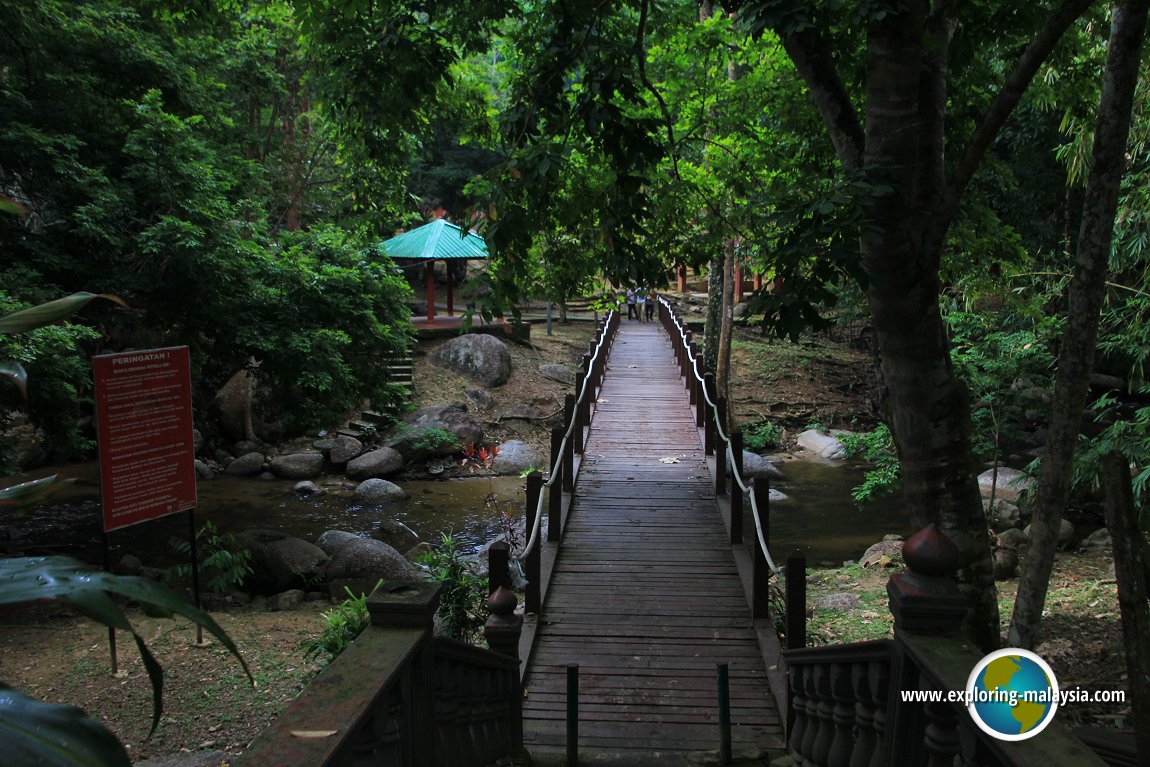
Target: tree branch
[1000,109]
[811,55]
[641,62]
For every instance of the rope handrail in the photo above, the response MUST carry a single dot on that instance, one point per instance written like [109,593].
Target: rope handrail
[516,561]
[728,449]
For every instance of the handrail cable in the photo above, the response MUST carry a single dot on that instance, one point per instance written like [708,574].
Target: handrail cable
[516,561]
[735,475]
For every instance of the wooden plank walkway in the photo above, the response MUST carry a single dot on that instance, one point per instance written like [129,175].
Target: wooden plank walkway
[645,595]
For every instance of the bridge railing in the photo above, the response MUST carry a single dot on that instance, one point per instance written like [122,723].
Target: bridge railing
[523,569]
[400,697]
[711,412]
[846,704]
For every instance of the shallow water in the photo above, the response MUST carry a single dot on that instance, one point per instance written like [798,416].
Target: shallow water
[819,518]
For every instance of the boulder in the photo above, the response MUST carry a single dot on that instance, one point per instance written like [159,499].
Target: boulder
[777,496]
[361,564]
[344,449]
[1010,483]
[233,403]
[332,541]
[516,456]
[203,471]
[1005,564]
[411,443]
[298,465]
[376,463]
[247,465]
[396,534]
[822,445]
[561,373]
[883,553]
[481,357]
[756,466]
[281,561]
[246,446]
[379,491]
[1012,537]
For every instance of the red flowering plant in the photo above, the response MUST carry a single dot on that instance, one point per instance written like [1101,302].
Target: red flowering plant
[479,457]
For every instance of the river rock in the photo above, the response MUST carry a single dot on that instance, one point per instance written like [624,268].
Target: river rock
[465,429]
[332,541]
[298,465]
[480,399]
[281,561]
[822,445]
[396,534]
[516,456]
[379,491]
[1010,483]
[757,466]
[376,463]
[287,600]
[1066,533]
[883,553]
[203,471]
[482,358]
[344,449]
[1004,514]
[361,564]
[306,488]
[233,404]
[246,446]
[841,601]
[1012,537]
[777,496]
[1005,564]
[247,465]
[561,373]
[1098,539]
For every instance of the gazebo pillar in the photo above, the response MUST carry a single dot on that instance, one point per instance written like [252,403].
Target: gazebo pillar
[758,281]
[430,291]
[738,284]
[450,291]
[682,278]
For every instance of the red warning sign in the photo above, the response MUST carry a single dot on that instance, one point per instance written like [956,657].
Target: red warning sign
[144,426]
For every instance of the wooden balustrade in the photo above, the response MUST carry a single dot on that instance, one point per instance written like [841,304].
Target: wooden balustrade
[397,696]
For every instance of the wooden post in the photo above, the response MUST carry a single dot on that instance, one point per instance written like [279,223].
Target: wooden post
[584,405]
[497,575]
[708,422]
[533,597]
[430,285]
[796,600]
[761,575]
[736,491]
[555,492]
[682,278]
[685,364]
[569,453]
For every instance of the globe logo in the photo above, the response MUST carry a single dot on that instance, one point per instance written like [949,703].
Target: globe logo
[1012,694]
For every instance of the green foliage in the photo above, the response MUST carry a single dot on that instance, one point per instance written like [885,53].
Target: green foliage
[221,561]
[435,441]
[463,602]
[877,447]
[762,436]
[341,626]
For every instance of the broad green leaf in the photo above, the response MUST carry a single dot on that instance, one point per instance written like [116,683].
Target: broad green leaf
[15,371]
[30,579]
[45,314]
[8,205]
[19,497]
[34,732]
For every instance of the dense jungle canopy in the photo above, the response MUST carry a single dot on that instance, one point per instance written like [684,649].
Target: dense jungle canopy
[228,168]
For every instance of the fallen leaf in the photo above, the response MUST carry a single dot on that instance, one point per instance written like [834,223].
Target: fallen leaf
[313,733]
[668,460]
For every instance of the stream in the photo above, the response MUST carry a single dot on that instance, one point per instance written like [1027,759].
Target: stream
[819,518]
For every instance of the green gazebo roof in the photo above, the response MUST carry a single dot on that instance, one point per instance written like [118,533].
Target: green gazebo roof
[438,240]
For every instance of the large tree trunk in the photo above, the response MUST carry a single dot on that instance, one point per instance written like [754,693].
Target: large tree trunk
[726,321]
[1130,571]
[1087,289]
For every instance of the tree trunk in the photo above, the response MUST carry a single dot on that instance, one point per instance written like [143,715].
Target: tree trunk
[714,316]
[723,358]
[1130,571]
[1087,289]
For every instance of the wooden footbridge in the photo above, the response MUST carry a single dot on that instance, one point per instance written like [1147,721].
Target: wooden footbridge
[645,596]
[647,632]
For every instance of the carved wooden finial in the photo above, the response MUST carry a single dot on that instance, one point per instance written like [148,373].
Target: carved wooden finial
[926,599]
[930,553]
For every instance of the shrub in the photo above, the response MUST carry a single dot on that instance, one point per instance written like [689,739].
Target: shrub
[341,626]
[761,436]
[222,563]
[463,603]
[877,447]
